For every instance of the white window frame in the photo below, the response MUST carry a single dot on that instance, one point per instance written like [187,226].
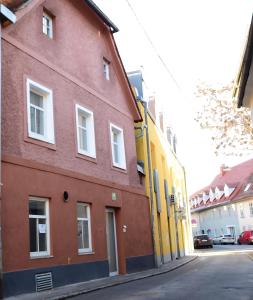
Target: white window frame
[251,209]
[122,155]
[47,29]
[89,249]
[241,210]
[91,144]
[48,121]
[46,217]
[106,69]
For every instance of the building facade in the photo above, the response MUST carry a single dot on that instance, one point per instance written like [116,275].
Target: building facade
[164,179]
[72,206]
[226,205]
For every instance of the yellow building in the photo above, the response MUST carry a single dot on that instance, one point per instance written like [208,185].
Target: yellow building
[164,179]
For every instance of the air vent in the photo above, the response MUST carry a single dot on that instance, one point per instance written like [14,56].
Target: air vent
[43,282]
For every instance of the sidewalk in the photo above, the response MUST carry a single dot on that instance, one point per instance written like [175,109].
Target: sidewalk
[88,286]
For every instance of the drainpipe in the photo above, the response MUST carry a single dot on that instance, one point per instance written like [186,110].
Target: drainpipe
[188,217]
[5,15]
[150,174]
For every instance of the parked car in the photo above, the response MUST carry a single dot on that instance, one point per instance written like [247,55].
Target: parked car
[224,240]
[246,237]
[202,240]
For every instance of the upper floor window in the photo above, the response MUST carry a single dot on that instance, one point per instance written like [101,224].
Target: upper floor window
[118,148]
[106,65]
[247,187]
[47,25]
[251,209]
[40,112]
[85,131]
[83,228]
[39,227]
[241,210]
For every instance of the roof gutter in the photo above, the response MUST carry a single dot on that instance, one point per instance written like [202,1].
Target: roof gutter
[101,15]
[245,68]
[210,207]
[5,15]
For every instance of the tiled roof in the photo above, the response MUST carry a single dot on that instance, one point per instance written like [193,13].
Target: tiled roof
[236,178]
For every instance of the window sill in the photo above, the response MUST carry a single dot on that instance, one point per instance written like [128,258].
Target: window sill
[41,257]
[119,169]
[40,143]
[86,157]
[86,253]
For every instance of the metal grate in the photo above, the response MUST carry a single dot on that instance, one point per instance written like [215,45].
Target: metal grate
[43,282]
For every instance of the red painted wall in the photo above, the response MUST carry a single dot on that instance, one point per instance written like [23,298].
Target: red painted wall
[72,66]
[30,181]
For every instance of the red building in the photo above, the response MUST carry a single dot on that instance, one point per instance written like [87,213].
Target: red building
[72,205]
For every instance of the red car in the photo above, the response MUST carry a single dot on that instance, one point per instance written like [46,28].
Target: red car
[246,237]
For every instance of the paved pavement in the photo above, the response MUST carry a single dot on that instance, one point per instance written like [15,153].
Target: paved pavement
[224,272]
[93,285]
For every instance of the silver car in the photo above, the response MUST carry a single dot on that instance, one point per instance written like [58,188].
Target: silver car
[224,239]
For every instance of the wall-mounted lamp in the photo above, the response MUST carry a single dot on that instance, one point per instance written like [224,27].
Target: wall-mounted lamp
[65,196]
[124,227]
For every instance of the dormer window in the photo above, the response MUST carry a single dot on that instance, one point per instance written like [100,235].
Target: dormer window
[247,187]
[218,193]
[211,195]
[47,25]
[106,65]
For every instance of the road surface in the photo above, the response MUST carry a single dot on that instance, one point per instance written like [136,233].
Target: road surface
[224,272]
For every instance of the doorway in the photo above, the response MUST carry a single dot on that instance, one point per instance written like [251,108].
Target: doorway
[111,242]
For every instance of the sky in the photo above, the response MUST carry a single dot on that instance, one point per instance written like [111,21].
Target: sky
[197,40]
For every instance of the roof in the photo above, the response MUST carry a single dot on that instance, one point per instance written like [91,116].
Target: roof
[15,4]
[236,178]
[244,70]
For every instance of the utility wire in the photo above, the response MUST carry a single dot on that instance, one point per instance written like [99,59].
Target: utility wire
[153,46]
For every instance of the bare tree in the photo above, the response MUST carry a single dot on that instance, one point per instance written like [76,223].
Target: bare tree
[230,127]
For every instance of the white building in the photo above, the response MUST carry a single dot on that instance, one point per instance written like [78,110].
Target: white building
[226,205]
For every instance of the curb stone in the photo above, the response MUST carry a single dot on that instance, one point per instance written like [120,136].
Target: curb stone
[75,291]
[123,281]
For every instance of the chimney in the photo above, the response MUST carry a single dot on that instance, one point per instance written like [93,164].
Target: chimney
[223,169]
[151,107]
[161,121]
[169,134]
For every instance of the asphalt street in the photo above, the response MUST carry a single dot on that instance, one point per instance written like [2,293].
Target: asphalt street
[224,272]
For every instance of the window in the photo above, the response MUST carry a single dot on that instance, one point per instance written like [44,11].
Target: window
[39,227]
[83,228]
[85,131]
[118,148]
[229,210]
[247,187]
[47,25]
[251,209]
[40,112]
[106,65]
[241,210]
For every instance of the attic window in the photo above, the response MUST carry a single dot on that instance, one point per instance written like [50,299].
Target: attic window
[106,66]
[247,187]
[47,25]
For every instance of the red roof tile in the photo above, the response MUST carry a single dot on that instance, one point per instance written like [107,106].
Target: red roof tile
[235,177]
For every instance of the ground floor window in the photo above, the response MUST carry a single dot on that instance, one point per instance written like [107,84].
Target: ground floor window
[39,227]
[83,228]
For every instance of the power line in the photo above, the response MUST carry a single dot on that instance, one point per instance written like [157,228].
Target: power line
[153,46]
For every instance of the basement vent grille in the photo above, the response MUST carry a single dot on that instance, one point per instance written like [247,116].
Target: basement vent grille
[43,282]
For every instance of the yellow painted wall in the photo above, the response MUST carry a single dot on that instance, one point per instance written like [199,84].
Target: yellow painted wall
[165,161]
